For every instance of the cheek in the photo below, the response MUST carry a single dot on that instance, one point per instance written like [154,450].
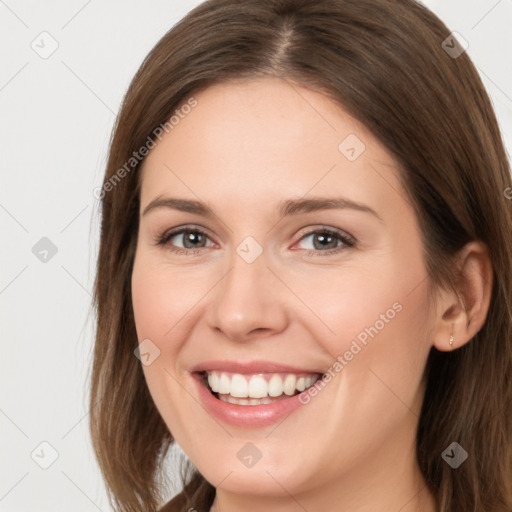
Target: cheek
[352,302]
[160,298]
[164,301]
[158,307]
[383,343]
[376,320]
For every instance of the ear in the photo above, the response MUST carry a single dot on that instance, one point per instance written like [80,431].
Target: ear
[461,312]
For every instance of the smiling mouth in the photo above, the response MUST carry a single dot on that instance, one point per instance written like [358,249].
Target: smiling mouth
[256,389]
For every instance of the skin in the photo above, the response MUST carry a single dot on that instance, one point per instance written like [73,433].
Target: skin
[245,147]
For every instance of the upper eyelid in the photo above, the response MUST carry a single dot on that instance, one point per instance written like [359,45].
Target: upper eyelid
[171,233]
[321,228]
[180,230]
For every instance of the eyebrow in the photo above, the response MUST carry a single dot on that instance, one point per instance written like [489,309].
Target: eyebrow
[286,208]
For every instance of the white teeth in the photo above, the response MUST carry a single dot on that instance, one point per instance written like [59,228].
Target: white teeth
[310,381]
[257,386]
[275,386]
[239,387]
[224,384]
[289,384]
[213,381]
[245,401]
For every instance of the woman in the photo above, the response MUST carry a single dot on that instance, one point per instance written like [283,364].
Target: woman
[304,275]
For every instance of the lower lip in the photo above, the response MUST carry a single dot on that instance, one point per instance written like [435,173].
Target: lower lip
[249,416]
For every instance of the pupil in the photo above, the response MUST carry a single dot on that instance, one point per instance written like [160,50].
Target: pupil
[191,237]
[324,238]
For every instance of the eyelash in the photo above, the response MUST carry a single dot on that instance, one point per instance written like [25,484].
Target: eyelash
[347,240]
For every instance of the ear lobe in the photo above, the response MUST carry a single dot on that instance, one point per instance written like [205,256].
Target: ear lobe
[461,311]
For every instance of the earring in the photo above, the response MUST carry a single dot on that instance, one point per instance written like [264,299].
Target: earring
[451,341]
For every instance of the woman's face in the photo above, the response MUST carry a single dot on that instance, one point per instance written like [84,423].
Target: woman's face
[308,261]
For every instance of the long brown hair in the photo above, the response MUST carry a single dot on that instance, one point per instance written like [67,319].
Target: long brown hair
[385,63]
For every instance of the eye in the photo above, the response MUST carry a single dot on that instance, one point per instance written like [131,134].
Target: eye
[327,241]
[191,237]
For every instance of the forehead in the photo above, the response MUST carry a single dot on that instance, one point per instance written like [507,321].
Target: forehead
[268,138]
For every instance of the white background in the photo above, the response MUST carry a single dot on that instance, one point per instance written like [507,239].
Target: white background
[56,119]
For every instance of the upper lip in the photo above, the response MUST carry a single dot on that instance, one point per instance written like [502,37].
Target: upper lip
[249,367]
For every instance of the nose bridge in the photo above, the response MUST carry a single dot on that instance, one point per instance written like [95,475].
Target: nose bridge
[245,299]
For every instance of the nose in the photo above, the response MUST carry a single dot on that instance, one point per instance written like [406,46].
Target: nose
[249,301]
